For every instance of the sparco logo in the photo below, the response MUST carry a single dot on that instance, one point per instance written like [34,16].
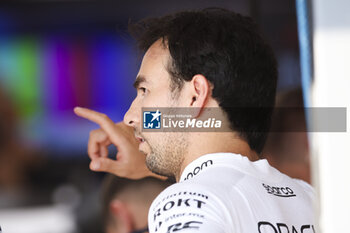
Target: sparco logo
[197,169]
[279,191]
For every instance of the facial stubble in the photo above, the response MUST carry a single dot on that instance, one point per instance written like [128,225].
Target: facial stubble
[166,158]
[168,149]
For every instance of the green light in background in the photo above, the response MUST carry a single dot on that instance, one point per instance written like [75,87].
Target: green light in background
[24,81]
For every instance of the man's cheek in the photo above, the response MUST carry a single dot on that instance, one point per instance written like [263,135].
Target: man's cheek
[150,137]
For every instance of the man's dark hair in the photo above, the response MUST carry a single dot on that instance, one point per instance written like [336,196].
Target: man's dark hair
[145,189]
[229,51]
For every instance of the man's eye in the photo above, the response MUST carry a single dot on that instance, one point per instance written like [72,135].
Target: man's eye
[142,89]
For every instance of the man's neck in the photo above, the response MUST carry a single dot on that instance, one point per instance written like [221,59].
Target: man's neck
[208,143]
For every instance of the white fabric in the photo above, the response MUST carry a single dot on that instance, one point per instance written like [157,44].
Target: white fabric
[46,219]
[225,192]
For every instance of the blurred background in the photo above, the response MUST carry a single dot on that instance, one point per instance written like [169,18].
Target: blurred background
[58,54]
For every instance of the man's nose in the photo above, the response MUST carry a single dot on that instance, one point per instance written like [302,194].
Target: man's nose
[131,117]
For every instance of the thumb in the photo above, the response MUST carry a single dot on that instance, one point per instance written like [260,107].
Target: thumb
[103,164]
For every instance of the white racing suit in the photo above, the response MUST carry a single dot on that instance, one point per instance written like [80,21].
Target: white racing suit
[227,193]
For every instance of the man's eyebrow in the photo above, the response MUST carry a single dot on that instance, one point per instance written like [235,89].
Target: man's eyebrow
[139,79]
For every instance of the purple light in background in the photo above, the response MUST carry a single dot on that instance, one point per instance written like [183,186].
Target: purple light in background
[70,71]
[49,76]
[81,75]
[63,72]
[110,75]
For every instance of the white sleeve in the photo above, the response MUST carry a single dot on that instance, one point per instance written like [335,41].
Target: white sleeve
[186,208]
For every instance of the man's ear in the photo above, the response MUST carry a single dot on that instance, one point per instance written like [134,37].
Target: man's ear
[200,91]
[122,215]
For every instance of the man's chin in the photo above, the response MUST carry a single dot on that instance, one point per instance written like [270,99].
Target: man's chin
[142,148]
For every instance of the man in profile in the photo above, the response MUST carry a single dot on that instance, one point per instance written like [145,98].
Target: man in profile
[212,58]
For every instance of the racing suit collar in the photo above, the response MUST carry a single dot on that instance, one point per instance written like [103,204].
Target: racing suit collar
[224,159]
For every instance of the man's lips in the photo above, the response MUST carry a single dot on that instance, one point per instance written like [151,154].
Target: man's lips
[140,139]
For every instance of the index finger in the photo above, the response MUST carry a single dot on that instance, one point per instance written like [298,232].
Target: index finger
[89,114]
[101,119]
